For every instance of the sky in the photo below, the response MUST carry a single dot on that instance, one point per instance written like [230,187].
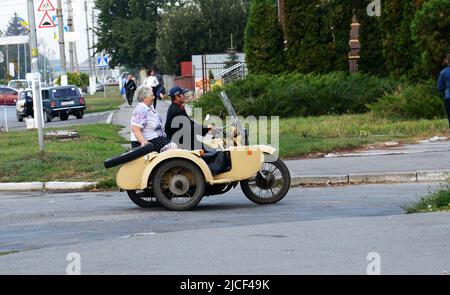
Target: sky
[46,36]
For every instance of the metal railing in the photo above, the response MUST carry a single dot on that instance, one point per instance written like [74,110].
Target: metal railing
[237,72]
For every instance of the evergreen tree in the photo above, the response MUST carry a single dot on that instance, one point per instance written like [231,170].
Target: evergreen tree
[15,27]
[317,34]
[430,28]
[400,51]
[371,37]
[264,39]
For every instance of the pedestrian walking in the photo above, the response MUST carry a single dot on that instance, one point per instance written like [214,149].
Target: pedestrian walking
[153,83]
[444,87]
[130,89]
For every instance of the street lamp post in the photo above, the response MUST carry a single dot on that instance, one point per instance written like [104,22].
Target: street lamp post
[35,70]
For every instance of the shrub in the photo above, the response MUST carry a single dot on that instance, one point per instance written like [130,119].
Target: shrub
[300,94]
[78,79]
[264,39]
[420,101]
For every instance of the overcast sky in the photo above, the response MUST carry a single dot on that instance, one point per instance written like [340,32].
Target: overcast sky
[8,7]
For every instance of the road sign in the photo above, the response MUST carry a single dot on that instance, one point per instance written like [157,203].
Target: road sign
[46,5]
[46,22]
[103,62]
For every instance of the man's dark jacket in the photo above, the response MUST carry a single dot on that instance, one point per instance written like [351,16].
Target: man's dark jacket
[175,111]
[444,83]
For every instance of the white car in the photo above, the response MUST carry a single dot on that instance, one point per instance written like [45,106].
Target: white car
[20,84]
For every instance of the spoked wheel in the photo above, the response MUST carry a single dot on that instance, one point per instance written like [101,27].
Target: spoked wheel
[178,185]
[270,185]
[144,198]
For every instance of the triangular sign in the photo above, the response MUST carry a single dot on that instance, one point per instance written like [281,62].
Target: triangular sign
[46,22]
[46,5]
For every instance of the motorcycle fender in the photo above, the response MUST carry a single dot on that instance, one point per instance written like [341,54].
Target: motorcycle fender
[267,149]
[191,156]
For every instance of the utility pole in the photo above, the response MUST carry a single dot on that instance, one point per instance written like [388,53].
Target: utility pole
[35,70]
[62,47]
[87,37]
[70,26]
[91,75]
[93,43]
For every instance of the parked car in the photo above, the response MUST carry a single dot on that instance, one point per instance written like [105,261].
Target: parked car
[62,102]
[24,105]
[8,96]
[20,84]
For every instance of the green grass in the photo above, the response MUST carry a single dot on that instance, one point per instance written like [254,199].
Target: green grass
[438,200]
[324,134]
[98,103]
[77,160]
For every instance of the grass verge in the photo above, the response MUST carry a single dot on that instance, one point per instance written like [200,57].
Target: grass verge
[438,200]
[324,134]
[98,103]
[77,160]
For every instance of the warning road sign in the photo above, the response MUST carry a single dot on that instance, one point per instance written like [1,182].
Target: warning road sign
[46,22]
[46,5]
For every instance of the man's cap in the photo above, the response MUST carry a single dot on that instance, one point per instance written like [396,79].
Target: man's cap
[174,91]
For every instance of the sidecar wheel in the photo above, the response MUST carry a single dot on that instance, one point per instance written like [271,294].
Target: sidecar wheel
[270,185]
[179,185]
[144,199]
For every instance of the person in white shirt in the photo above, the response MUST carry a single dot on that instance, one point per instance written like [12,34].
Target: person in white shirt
[153,83]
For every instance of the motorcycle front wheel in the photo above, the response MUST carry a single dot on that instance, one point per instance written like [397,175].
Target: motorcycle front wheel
[270,185]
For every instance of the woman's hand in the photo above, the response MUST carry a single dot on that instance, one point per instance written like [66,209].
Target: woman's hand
[143,143]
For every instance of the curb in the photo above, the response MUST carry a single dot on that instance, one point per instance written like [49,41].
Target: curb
[47,186]
[372,178]
[308,180]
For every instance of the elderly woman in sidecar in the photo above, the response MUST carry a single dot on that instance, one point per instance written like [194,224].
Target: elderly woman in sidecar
[146,123]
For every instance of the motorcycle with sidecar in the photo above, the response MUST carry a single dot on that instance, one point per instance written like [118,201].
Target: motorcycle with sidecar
[178,179]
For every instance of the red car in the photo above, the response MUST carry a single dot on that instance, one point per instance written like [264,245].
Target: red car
[8,96]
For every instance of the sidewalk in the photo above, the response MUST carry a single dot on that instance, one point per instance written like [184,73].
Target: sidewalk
[424,162]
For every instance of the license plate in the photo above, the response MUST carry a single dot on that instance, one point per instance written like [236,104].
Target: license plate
[67,103]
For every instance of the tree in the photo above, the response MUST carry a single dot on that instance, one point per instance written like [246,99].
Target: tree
[127,30]
[200,26]
[15,27]
[311,42]
[264,39]
[180,34]
[430,29]
[371,38]
[399,49]
[222,18]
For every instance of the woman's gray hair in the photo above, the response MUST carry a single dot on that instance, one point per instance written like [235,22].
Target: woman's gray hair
[142,92]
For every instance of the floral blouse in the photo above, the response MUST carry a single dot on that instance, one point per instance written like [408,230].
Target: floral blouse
[146,118]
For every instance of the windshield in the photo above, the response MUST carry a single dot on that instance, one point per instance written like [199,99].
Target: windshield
[19,84]
[65,92]
[230,109]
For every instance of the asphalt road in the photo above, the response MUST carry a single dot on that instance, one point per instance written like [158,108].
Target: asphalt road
[15,125]
[312,231]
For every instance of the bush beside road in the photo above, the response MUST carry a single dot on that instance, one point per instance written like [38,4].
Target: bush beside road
[437,200]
